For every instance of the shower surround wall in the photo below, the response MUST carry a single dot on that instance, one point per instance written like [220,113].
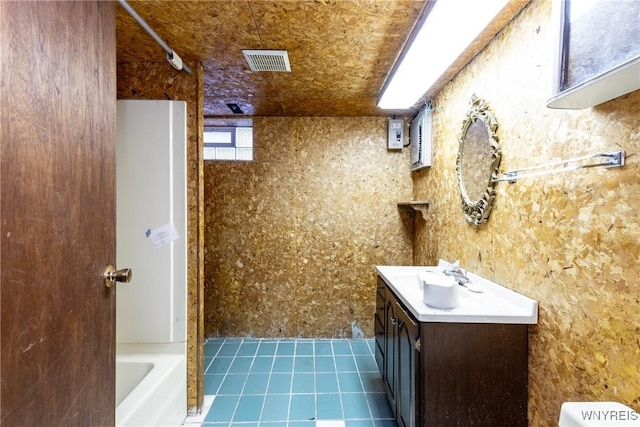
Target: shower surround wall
[570,241]
[292,238]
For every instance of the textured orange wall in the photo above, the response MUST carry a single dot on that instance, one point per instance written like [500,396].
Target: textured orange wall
[293,237]
[570,241]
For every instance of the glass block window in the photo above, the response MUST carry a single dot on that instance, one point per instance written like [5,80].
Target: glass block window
[228,143]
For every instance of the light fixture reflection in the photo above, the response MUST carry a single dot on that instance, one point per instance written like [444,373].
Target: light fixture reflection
[445,33]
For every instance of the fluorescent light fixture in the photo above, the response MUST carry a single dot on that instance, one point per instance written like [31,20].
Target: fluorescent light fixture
[435,43]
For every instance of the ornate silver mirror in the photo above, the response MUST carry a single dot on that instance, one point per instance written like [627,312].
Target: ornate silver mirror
[478,161]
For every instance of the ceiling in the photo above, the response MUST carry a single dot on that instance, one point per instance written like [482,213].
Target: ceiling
[340,50]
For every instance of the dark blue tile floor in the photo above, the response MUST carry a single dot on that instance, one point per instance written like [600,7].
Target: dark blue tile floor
[294,383]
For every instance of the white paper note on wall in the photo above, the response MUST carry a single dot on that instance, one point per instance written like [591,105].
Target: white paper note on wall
[162,235]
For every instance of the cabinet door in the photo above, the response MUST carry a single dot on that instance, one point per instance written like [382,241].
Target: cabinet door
[391,351]
[379,324]
[407,335]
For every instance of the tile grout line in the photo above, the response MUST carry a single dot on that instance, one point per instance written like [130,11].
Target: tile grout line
[246,380]
[293,375]
[224,375]
[344,417]
[362,382]
[233,414]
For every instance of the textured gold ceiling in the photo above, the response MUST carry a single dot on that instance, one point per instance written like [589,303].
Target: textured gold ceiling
[340,50]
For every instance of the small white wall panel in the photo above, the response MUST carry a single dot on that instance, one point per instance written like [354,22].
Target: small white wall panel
[151,198]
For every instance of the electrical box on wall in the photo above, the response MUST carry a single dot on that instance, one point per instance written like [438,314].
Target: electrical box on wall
[396,134]
[420,139]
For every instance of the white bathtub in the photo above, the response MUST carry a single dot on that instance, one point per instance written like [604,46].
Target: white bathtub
[151,390]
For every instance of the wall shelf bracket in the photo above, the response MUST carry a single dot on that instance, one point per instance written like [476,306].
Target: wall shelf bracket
[415,205]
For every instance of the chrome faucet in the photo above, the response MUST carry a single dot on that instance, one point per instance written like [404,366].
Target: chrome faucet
[458,274]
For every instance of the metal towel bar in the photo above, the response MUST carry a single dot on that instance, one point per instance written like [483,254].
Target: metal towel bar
[609,160]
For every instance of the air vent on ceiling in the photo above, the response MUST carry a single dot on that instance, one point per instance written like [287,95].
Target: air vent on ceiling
[267,60]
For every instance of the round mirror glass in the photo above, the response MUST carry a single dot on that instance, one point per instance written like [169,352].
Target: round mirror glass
[477,162]
[475,165]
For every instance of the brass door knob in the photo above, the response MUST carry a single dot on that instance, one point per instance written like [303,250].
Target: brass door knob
[111,276]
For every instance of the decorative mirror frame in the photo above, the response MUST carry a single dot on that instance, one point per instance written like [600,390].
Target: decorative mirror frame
[477,211]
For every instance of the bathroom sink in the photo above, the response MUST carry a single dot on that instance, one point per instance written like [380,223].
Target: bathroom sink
[597,414]
[496,304]
[409,275]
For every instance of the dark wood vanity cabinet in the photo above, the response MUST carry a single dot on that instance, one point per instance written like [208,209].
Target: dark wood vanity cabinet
[450,374]
[397,335]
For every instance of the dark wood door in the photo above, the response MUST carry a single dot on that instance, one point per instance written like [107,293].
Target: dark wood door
[474,374]
[57,213]
[406,398]
[391,350]
[379,320]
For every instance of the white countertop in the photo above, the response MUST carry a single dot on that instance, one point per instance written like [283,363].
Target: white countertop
[496,304]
